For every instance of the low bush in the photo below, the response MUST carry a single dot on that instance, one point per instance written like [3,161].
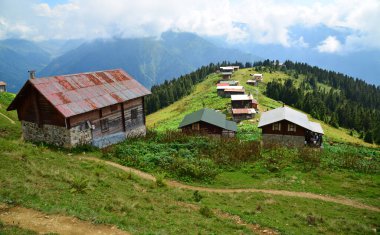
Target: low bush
[206,212]
[197,196]
[186,157]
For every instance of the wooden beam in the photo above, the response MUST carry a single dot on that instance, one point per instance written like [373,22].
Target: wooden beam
[123,117]
[37,108]
[143,111]
[68,123]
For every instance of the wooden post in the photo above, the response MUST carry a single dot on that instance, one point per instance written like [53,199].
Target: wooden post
[123,117]
[68,123]
[143,106]
[37,108]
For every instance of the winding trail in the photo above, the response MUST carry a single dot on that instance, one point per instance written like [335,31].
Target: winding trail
[43,223]
[255,228]
[176,184]
[13,122]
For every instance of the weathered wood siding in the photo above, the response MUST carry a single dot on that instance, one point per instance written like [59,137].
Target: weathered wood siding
[300,131]
[113,123]
[240,117]
[240,104]
[227,94]
[204,128]
[37,109]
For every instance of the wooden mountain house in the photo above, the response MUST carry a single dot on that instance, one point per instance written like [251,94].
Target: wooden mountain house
[98,108]
[243,107]
[208,121]
[227,91]
[3,86]
[288,127]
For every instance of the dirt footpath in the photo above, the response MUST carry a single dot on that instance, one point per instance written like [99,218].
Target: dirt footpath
[176,184]
[43,223]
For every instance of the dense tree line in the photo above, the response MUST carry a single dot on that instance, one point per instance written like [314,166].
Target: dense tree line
[170,91]
[351,103]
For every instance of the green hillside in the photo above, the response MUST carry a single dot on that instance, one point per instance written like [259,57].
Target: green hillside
[9,126]
[204,95]
[304,192]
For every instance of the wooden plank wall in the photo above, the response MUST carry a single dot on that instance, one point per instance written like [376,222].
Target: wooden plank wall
[36,108]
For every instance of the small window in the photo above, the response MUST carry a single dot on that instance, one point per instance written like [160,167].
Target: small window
[276,126]
[195,126]
[104,125]
[133,114]
[291,127]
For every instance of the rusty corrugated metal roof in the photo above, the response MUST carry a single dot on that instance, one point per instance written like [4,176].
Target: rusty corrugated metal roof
[243,111]
[234,90]
[83,92]
[222,84]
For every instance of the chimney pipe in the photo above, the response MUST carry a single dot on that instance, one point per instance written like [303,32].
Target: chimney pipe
[32,74]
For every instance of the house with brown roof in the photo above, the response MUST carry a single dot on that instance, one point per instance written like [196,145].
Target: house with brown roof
[227,91]
[99,108]
[243,107]
[3,86]
[258,77]
[251,82]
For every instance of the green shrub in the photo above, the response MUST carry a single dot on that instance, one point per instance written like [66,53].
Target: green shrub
[160,181]
[309,158]
[79,185]
[186,157]
[276,159]
[206,212]
[197,196]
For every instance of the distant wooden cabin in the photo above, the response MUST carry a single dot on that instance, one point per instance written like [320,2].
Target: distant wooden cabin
[239,114]
[287,127]
[226,75]
[3,86]
[227,69]
[243,101]
[258,77]
[98,108]
[227,83]
[208,121]
[227,91]
[252,82]
[243,107]
[235,67]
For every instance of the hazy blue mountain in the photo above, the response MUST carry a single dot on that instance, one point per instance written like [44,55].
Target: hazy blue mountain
[364,65]
[58,47]
[149,60]
[361,64]
[152,60]
[17,57]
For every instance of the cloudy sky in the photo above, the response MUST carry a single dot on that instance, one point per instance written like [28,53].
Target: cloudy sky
[351,25]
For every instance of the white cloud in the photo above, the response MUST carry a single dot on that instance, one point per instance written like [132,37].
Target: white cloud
[330,45]
[300,42]
[265,22]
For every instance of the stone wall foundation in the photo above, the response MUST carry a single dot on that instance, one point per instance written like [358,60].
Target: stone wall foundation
[50,134]
[283,140]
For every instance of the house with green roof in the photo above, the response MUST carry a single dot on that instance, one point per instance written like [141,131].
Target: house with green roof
[208,121]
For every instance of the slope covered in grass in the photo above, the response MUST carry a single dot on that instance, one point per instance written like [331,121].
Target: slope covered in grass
[9,125]
[204,95]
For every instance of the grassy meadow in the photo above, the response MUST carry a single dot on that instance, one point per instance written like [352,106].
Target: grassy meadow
[204,95]
[59,181]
